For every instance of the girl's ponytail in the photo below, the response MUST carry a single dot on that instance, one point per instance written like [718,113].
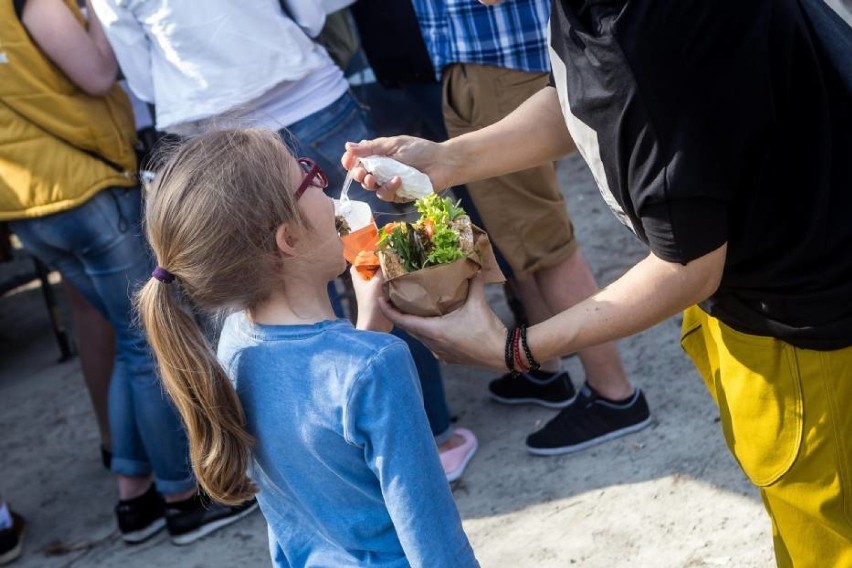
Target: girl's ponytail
[210,216]
[194,379]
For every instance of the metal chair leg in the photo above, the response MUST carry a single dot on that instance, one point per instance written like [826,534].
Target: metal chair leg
[56,322]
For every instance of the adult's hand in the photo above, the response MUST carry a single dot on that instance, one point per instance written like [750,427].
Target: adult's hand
[429,157]
[471,335]
[535,133]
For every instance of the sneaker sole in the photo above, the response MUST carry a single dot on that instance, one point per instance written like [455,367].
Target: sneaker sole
[591,443]
[533,401]
[15,553]
[137,537]
[204,530]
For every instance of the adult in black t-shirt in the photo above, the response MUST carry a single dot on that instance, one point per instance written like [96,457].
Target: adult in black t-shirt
[721,134]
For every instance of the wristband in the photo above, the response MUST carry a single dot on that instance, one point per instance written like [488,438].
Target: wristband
[516,350]
[533,364]
[508,355]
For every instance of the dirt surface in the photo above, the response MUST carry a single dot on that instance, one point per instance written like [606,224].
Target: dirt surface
[670,496]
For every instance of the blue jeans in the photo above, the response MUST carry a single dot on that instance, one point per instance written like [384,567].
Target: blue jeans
[99,249]
[321,137]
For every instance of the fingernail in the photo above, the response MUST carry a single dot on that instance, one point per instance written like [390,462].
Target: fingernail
[351,145]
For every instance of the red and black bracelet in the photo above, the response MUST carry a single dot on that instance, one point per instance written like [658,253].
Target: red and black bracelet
[533,364]
[516,351]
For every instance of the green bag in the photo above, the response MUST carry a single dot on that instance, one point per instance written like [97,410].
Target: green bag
[340,37]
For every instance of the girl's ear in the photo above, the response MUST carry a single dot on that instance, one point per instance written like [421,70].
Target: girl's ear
[286,240]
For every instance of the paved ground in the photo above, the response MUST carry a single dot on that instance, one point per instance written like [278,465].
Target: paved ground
[670,496]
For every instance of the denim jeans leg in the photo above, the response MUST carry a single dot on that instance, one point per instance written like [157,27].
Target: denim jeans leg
[41,238]
[118,272]
[103,237]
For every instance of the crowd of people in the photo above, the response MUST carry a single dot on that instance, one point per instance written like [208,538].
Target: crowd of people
[719,134]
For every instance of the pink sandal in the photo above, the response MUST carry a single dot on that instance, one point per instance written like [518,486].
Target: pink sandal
[455,461]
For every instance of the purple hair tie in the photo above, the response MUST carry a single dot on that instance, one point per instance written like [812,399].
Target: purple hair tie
[163,275]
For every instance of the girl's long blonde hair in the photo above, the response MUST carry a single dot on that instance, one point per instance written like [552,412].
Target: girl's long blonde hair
[211,215]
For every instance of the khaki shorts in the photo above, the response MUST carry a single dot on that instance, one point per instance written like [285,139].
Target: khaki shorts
[785,413]
[524,213]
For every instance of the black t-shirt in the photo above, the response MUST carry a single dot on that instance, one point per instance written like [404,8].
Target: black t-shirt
[724,121]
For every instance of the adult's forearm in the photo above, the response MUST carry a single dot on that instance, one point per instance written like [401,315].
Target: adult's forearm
[533,134]
[647,294]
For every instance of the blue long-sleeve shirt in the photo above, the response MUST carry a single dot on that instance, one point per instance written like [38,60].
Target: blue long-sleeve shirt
[346,464]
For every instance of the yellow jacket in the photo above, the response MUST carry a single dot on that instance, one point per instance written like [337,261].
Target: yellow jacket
[58,145]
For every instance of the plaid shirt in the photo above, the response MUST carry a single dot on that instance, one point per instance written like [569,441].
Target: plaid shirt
[512,34]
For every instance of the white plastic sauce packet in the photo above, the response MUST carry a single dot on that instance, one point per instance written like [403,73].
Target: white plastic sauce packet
[357,214]
[415,184]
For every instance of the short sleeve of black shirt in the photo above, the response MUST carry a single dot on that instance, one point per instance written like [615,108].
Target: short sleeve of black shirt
[670,90]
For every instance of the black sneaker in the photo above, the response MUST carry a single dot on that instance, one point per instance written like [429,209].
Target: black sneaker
[553,390]
[199,516]
[12,539]
[588,421]
[142,517]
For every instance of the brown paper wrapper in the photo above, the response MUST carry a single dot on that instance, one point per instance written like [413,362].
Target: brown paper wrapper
[439,290]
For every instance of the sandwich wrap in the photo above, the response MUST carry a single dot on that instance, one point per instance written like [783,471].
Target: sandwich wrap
[428,265]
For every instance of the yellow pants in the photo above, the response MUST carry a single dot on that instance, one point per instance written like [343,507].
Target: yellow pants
[787,417]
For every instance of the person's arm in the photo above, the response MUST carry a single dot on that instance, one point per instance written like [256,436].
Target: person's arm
[648,293]
[385,418]
[131,44]
[533,134]
[367,294]
[83,54]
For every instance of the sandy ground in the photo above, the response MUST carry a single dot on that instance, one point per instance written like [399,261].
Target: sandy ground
[670,496]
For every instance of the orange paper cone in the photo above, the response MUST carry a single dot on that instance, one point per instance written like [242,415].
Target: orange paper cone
[359,249]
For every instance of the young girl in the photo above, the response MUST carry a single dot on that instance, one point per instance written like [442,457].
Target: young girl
[255,64]
[328,420]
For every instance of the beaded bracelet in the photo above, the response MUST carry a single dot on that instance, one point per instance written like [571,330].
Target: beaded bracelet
[533,364]
[516,350]
[508,354]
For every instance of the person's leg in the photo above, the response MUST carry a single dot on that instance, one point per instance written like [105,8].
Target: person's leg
[565,285]
[98,247]
[785,416]
[56,239]
[96,346]
[117,269]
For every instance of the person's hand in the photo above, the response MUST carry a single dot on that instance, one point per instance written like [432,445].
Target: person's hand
[471,335]
[367,294]
[430,158]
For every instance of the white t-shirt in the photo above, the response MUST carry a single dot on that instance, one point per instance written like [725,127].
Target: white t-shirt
[197,61]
